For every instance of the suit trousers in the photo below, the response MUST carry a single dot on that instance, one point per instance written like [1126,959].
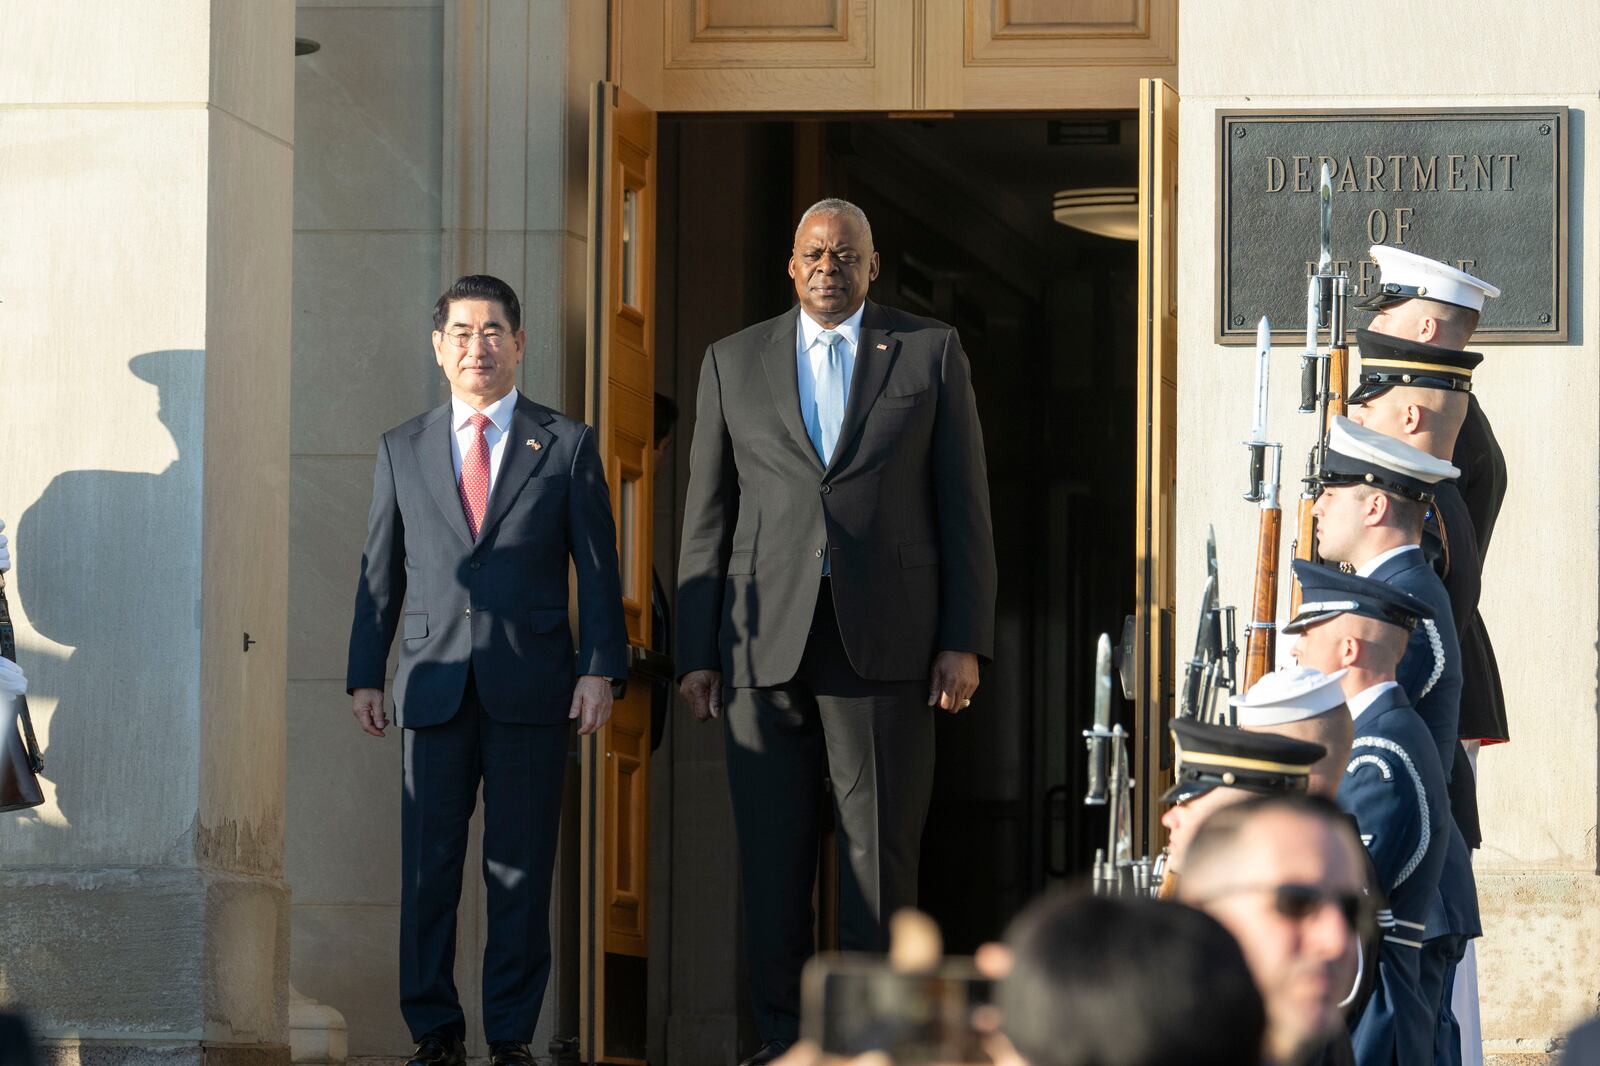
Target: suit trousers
[521,768]
[874,741]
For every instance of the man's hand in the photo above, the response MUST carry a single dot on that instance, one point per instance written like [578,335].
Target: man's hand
[5,548]
[703,690]
[591,703]
[367,703]
[954,679]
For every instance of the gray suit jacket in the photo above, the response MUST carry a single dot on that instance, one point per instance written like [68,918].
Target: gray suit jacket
[902,510]
[500,604]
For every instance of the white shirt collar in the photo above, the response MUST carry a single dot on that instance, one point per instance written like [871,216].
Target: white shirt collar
[1367,697]
[1366,568]
[499,412]
[849,329]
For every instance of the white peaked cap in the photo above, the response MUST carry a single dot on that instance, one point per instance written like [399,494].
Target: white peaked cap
[1369,447]
[1291,694]
[1404,275]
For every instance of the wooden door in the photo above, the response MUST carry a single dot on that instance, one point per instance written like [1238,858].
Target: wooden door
[891,55]
[766,55]
[1016,55]
[1155,581]
[616,760]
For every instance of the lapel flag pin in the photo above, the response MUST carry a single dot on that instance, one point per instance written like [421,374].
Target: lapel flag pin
[535,445]
[883,347]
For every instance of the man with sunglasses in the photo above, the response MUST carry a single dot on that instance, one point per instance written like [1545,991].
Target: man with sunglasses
[1393,786]
[1284,874]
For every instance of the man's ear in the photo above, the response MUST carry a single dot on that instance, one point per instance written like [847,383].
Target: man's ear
[1428,329]
[872,267]
[1412,418]
[1349,651]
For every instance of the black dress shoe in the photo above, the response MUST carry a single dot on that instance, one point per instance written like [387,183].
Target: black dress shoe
[772,1049]
[439,1049]
[509,1053]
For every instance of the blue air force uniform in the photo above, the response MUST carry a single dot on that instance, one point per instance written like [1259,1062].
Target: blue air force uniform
[1394,788]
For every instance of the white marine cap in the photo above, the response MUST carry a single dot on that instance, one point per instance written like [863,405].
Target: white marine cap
[1357,455]
[1406,275]
[1291,694]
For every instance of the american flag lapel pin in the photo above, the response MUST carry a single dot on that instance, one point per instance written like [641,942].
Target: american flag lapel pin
[883,347]
[535,445]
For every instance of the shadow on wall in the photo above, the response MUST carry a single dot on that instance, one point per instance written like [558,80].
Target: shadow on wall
[107,564]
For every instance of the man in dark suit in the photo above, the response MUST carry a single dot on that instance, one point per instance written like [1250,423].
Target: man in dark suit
[837,580]
[477,507]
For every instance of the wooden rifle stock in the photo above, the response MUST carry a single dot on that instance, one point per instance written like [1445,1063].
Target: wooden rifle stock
[1261,648]
[1338,383]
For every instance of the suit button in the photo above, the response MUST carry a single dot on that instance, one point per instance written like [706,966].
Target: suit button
[827,489]
[819,553]
[468,612]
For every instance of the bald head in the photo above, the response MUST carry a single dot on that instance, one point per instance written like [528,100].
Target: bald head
[1366,649]
[1427,419]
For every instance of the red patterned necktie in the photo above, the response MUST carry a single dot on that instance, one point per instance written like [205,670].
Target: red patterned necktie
[475,476]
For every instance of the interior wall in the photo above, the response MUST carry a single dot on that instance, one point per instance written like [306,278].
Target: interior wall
[1537,795]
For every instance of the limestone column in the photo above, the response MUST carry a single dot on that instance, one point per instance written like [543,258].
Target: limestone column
[145,197]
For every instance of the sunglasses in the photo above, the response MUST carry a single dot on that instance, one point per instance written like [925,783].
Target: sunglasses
[1299,903]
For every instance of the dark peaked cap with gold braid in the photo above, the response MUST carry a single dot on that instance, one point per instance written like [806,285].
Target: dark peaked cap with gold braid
[1217,756]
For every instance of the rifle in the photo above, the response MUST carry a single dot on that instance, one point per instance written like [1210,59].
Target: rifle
[1261,647]
[1211,671]
[20,760]
[1116,871]
[1323,377]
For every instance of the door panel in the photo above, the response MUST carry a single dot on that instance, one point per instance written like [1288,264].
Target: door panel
[616,760]
[765,55]
[1023,54]
[1155,581]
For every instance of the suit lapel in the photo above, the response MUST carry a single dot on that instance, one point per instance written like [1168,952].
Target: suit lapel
[778,358]
[875,354]
[431,447]
[530,425]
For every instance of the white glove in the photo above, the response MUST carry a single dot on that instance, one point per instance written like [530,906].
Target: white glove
[13,682]
[5,552]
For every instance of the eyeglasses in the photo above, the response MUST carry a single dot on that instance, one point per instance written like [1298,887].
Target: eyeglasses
[462,338]
[1299,903]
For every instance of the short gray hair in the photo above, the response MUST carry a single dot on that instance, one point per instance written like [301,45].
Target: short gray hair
[835,206]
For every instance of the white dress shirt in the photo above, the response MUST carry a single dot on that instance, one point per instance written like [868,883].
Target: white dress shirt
[461,439]
[1366,568]
[1367,696]
[810,356]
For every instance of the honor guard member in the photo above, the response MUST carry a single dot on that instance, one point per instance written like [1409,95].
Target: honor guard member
[1393,786]
[1437,306]
[1374,488]
[1219,765]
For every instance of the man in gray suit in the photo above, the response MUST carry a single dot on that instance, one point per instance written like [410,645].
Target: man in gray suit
[837,580]
[477,507]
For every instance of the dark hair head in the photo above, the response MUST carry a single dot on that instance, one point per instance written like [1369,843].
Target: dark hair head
[479,287]
[666,418]
[1127,982]
[1216,836]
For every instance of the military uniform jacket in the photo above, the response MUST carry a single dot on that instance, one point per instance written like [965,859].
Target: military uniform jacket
[1430,670]
[1483,489]
[1394,788]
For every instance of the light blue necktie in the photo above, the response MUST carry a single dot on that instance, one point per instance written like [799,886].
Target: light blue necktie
[830,396]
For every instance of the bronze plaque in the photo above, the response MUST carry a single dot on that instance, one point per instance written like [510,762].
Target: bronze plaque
[1483,189]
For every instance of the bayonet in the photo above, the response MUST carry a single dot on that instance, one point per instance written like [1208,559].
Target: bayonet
[1258,425]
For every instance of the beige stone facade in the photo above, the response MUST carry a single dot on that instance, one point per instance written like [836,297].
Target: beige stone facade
[221,266]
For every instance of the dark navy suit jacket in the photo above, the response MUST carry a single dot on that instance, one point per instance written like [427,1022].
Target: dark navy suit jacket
[498,605]
[1394,788]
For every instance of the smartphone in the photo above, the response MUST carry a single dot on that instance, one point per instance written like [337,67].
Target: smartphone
[852,1004]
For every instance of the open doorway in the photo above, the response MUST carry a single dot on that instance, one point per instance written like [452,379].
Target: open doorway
[962,214]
